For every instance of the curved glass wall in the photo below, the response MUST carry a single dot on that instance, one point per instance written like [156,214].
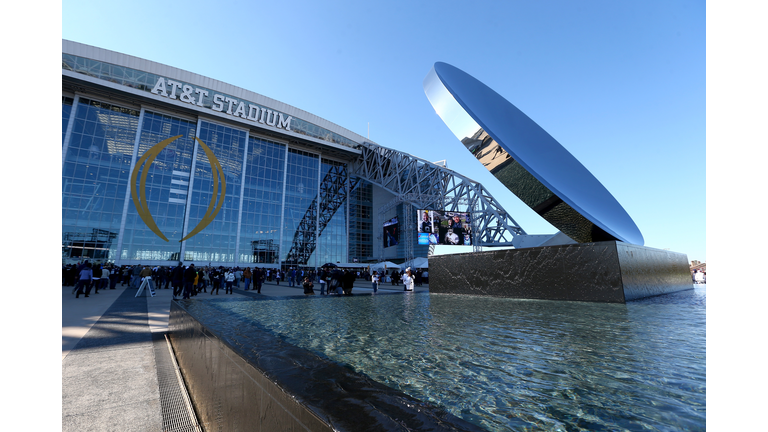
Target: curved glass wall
[94,178]
[262,202]
[300,208]
[361,222]
[217,241]
[279,203]
[165,190]
[332,242]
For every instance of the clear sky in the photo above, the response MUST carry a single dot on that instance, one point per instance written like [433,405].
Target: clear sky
[621,85]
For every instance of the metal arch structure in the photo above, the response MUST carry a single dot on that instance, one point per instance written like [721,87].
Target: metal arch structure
[412,180]
[334,189]
[426,185]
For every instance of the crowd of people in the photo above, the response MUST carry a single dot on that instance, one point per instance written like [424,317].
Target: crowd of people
[188,281]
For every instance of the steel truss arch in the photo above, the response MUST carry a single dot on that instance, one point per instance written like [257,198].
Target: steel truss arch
[412,180]
[426,185]
[333,190]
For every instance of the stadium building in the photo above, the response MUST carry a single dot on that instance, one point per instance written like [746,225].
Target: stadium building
[161,165]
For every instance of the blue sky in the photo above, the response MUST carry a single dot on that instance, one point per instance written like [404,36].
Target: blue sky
[621,85]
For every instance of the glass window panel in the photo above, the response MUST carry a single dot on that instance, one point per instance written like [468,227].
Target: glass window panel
[140,243]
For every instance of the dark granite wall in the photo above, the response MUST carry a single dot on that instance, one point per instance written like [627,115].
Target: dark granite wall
[229,394]
[649,272]
[241,377]
[611,272]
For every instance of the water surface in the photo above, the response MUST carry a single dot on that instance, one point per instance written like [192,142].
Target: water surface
[508,364]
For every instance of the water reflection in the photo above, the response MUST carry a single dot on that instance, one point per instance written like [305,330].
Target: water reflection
[509,364]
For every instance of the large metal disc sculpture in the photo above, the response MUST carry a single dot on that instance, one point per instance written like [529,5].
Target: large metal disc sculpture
[527,160]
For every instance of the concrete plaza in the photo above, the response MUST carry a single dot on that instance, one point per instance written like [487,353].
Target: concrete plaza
[109,354]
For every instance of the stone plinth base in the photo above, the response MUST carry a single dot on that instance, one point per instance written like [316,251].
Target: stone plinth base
[608,272]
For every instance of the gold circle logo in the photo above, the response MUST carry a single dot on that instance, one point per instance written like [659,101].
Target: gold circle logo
[140,197]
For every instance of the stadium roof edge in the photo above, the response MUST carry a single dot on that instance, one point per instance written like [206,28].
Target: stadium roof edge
[126,60]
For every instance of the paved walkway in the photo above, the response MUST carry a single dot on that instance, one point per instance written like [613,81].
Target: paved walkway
[109,371]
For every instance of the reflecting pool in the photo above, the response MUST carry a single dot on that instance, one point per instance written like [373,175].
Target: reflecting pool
[507,364]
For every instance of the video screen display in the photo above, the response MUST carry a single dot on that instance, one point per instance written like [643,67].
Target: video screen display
[391,232]
[438,227]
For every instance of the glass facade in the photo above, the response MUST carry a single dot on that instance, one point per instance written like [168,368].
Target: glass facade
[66,110]
[165,190]
[271,190]
[262,202]
[332,241]
[361,222]
[218,241]
[136,182]
[300,207]
[95,173]
[146,81]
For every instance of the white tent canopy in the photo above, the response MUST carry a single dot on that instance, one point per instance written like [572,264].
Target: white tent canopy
[351,265]
[416,263]
[380,266]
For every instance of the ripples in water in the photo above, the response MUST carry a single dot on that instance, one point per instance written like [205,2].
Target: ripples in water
[508,364]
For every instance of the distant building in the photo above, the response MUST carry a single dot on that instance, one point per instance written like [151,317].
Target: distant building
[698,265]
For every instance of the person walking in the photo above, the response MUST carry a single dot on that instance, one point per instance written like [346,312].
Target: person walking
[258,279]
[189,280]
[203,278]
[291,277]
[215,281]
[308,285]
[114,275]
[86,275]
[230,278]
[247,275]
[136,276]
[375,281]
[195,282]
[104,280]
[321,280]
[222,277]
[407,280]
[96,280]
[177,277]
[162,277]
[146,275]
[126,275]
[349,282]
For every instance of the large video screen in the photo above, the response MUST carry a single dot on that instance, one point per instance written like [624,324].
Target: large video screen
[391,232]
[438,227]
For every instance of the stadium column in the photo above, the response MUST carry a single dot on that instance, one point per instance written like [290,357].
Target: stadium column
[242,193]
[317,211]
[127,199]
[189,196]
[282,207]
